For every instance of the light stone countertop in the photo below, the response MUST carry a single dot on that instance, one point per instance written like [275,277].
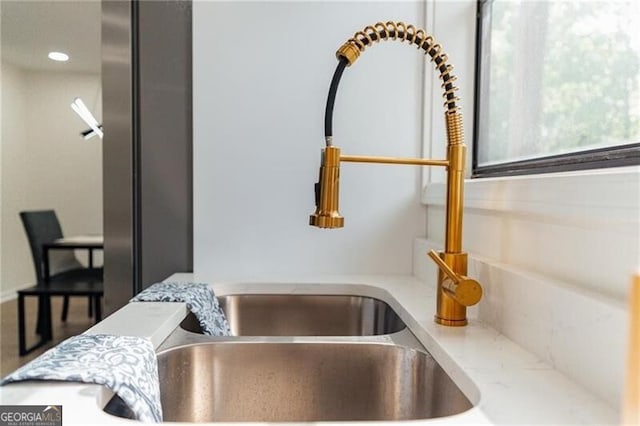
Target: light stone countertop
[507,384]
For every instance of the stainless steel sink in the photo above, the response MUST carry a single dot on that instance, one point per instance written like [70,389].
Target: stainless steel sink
[282,382]
[367,367]
[305,315]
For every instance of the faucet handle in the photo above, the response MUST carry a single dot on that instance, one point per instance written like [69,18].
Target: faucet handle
[463,289]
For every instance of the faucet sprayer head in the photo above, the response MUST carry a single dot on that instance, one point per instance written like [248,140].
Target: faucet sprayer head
[327,191]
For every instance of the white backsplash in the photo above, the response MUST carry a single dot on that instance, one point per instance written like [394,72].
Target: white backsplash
[581,334]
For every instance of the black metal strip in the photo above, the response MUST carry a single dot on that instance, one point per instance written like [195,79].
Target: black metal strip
[627,155]
[136,150]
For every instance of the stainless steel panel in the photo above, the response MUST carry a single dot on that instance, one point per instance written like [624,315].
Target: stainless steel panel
[275,382]
[164,58]
[147,154]
[117,153]
[305,315]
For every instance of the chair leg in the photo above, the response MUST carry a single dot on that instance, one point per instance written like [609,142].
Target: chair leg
[43,329]
[22,340]
[98,308]
[43,324]
[47,326]
[65,309]
[90,306]
[40,316]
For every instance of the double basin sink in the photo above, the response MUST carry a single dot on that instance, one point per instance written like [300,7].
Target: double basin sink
[302,358]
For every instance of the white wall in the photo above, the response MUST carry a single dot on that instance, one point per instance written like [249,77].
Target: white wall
[74,187]
[1,109]
[45,162]
[261,76]
[16,264]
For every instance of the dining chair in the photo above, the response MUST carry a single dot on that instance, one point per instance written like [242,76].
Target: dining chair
[67,276]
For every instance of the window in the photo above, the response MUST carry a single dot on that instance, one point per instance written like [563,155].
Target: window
[558,86]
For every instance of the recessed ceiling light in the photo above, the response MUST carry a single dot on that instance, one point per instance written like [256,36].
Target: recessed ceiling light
[58,56]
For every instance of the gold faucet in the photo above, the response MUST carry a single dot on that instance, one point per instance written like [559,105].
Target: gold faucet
[456,291]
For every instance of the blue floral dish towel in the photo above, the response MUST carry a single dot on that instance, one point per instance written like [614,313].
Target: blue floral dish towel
[125,364]
[200,299]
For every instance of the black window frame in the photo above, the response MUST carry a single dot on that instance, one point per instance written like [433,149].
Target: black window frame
[618,156]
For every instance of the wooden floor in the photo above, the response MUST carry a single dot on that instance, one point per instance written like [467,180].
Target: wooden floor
[77,322]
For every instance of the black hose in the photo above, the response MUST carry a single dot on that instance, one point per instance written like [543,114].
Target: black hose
[440,66]
[331,98]
[342,64]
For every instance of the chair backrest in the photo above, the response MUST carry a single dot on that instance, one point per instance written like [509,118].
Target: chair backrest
[42,226]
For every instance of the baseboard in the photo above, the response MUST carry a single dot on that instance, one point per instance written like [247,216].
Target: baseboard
[7,295]
[11,293]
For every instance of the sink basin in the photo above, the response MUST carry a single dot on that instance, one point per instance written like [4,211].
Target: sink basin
[281,382]
[305,315]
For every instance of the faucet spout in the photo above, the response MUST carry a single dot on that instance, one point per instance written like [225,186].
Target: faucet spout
[455,290]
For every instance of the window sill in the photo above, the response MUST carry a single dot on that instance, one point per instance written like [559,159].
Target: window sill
[596,198]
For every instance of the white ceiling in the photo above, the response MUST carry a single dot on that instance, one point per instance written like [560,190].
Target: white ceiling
[31,29]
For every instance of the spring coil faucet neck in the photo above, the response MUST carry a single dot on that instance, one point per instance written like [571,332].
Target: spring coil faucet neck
[455,290]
